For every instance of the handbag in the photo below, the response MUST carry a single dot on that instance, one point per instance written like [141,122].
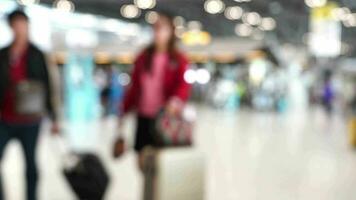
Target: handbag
[175,129]
[30,98]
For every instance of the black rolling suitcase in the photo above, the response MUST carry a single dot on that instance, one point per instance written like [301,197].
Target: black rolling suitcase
[87,177]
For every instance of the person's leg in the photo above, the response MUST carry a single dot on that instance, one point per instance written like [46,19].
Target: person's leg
[28,139]
[145,156]
[4,139]
[148,167]
[143,138]
[140,140]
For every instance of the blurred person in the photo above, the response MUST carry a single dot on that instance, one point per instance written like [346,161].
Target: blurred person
[353,105]
[22,62]
[328,92]
[157,82]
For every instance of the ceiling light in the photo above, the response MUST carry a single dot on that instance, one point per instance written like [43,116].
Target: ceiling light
[346,10]
[179,31]
[179,21]
[203,76]
[124,79]
[233,13]
[195,25]
[243,30]
[350,20]
[190,76]
[145,4]
[315,3]
[151,17]
[130,11]
[268,24]
[214,6]
[64,5]
[27,2]
[252,18]
[340,13]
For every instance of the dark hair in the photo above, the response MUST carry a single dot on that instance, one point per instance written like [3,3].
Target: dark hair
[172,49]
[17,14]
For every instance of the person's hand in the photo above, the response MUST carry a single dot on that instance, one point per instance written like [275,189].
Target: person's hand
[174,106]
[119,147]
[55,129]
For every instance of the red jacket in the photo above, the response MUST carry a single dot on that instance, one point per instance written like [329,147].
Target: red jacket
[174,83]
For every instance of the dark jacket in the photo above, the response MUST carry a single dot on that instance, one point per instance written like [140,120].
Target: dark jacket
[36,70]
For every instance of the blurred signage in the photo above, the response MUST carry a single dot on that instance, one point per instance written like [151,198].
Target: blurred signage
[81,102]
[81,93]
[196,37]
[325,32]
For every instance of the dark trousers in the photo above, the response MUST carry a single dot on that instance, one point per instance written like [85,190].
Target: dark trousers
[27,135]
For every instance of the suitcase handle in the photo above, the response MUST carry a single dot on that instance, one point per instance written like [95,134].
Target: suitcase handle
[62,149]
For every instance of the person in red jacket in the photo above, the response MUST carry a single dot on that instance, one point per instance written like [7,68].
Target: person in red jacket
[157,82]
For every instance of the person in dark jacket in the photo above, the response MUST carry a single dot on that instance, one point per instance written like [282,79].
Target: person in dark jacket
[19,62]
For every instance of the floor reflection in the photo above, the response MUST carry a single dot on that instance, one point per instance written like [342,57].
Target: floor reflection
[298,155]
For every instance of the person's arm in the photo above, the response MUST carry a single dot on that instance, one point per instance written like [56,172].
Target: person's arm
[130,96]
[132,92]
[52,85]
[183,90]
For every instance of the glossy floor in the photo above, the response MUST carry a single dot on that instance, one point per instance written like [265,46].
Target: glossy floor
[250,156]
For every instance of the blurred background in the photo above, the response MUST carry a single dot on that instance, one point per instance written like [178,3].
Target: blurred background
[274,87]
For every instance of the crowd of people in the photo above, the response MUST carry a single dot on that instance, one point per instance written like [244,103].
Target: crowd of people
[26,91]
